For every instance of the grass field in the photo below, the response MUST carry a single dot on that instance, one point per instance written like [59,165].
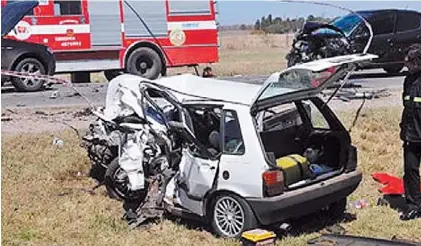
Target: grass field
[240,53]
[43,201]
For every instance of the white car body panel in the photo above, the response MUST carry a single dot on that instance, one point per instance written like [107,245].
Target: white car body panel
[244,170]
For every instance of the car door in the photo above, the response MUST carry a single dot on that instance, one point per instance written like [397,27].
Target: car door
[384,40]
[199,165]
[408,32]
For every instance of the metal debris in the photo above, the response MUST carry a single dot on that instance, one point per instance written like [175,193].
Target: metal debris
[83,113]
[54,95]
[347,95]
[58,142]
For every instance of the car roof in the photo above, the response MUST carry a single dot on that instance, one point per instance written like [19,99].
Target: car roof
[192,87]
[384,10]
[195,87]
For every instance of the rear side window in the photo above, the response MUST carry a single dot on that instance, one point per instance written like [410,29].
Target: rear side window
[408,21]
[233,139]
[67,7]
[189,7]
[383,23]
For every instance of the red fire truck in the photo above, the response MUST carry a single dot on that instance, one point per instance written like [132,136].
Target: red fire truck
[135,36]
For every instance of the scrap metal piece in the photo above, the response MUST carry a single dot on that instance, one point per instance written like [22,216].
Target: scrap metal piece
[327,239]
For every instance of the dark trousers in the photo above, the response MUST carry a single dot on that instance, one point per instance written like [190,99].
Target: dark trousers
[412,159]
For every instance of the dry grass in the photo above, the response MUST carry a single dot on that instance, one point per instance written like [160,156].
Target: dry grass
[241,53]
[43,204]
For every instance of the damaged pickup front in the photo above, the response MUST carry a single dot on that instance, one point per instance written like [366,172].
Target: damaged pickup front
[214,148]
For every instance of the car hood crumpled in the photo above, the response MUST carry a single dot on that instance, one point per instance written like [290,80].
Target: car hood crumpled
[12,13]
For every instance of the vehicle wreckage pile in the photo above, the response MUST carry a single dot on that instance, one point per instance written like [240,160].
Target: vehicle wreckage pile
[178,145]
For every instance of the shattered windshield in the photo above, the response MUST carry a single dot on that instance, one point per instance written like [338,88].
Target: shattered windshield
[349,22]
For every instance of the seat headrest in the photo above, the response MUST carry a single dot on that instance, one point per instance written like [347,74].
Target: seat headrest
[214,139]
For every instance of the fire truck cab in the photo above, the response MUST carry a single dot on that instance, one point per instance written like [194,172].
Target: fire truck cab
[138,37]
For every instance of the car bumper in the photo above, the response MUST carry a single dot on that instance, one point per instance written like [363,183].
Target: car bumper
[300,202]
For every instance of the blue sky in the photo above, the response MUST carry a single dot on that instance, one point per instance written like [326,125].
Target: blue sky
[238,12]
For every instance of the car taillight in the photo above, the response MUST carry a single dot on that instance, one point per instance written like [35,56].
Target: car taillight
[273,182]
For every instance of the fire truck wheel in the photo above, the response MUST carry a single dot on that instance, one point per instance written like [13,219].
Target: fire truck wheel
[145,62]
[33,66]
[111,74]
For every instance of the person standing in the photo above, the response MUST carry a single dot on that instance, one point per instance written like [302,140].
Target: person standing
[411,133]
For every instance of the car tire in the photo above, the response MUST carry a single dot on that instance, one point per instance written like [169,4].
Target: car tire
[337,209]
[29,65]
[100,156]
[145,62]
[245,220]
[117,189]
[393,70]
[111,74]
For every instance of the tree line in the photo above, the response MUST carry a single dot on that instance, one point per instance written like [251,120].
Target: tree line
[268,24]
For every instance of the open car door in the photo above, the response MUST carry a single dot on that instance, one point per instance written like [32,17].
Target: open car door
[306,80]
[199,164]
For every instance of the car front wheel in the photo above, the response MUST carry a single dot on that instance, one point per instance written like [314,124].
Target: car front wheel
[231,216]
[31,66]
[117,184]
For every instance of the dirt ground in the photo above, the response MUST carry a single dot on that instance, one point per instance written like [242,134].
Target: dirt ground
[20,121]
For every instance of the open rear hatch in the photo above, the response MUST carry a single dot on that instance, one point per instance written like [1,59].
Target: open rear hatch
[299,133]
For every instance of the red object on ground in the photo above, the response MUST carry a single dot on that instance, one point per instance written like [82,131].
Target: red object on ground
[392,185]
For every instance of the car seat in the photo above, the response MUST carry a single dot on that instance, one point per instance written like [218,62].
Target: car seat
[215,140]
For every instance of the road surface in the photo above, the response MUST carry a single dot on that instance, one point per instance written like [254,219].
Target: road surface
[64,96]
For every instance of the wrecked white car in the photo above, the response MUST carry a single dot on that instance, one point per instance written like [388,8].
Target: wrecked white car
[236,155]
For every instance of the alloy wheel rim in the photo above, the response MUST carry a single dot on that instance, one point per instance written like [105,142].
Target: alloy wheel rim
[31,69]
[229,216]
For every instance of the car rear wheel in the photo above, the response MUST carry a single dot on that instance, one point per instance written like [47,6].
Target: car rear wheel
[393,70]
[231,216]
[337,209]
[145,62]
[32,66]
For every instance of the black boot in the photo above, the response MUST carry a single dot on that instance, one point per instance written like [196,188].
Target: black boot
[411,214]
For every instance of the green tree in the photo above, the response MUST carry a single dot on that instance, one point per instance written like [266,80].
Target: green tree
[311,18]
[257,25]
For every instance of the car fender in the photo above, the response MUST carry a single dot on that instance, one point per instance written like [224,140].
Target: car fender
[211,195]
